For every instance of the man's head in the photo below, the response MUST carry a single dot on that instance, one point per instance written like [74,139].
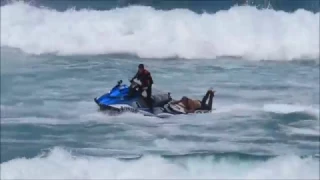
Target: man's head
[140,68]
[184,100]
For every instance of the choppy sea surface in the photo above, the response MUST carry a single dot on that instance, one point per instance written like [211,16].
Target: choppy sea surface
[263,64]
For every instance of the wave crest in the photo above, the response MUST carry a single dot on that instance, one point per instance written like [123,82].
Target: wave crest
[148,33]
[57,165]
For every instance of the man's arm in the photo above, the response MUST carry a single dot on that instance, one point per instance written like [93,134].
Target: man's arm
[135,76]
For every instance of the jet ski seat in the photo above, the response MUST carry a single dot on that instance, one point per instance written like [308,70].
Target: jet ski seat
[161,99]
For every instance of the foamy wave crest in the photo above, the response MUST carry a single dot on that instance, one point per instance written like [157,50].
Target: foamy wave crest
[59,164]
[290,108]
[148,33]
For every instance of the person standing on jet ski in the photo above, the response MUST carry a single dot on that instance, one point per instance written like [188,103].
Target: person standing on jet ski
[146,83]
[191,105]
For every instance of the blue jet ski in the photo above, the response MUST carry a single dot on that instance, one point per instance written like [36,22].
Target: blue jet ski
[124,98]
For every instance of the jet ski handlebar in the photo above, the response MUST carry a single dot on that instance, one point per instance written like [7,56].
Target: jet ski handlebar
[119,82]
[134,83]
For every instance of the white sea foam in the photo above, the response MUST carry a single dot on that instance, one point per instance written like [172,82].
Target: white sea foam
[291,108]
[240,31]
[60,164]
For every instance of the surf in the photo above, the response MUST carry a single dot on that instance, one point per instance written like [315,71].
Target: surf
[245,32]
[57,164]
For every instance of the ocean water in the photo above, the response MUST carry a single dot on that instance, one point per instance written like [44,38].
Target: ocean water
[263,64]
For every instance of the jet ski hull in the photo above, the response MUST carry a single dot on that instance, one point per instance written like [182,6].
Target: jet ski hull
[123,98]
[176,109]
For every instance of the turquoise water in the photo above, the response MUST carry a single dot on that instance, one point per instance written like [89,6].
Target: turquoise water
[266,123]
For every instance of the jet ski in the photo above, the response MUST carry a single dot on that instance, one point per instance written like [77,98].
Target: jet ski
[123,98]
[126,98]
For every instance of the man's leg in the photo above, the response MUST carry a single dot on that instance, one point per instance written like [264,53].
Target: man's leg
[149,100]
[204,100]
[210,100]
[131,92]
[204,105]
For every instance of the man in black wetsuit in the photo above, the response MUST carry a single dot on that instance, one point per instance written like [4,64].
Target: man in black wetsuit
[146,83]
[191,105]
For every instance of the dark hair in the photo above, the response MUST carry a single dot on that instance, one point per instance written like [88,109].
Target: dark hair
[141,66]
